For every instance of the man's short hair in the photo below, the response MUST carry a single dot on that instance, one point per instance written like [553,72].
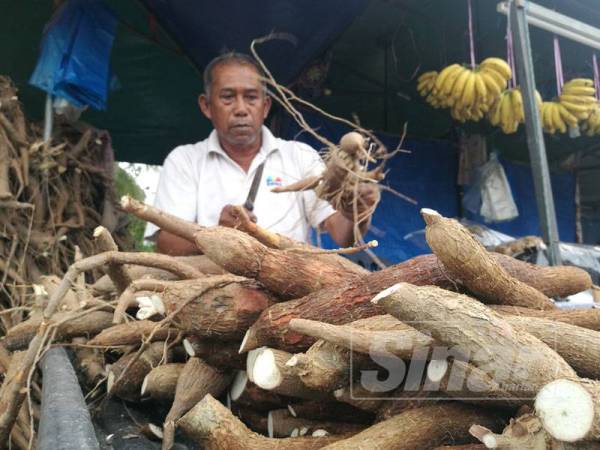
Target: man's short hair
[229,58]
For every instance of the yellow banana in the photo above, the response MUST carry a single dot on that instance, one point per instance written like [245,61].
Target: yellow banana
[450,81]
[557,120]
[577,99]
[480,89]
[498,79]
[492,87]
[426,82]
[517,105]
[498,65]
[579,91]
[566,115]
[506,118]
[580,111]
[579,82]
[547,118]
[468,95]
[444,73]
[459,85]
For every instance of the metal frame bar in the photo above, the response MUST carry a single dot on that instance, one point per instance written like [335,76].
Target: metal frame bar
[557,23]
[535,138]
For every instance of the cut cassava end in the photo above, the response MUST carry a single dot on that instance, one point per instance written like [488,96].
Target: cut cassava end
[246,393]
[269,371]
[161,381]
[325,366]
[238,385]
[568,409]
[467,260]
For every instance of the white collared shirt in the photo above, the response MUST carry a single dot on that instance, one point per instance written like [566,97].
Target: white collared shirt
[198,180]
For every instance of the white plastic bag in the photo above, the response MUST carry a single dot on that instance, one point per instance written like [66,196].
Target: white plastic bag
[492,192]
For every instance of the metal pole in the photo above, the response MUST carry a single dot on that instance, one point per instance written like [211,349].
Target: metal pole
[535,138]
[48,119]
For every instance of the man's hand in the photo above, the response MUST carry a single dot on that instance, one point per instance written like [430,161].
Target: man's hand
[367,197]
[341,224]
[234,216]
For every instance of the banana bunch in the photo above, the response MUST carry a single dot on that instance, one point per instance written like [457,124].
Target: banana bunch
[508,112]
[555,117]
[591,126]
[425,85]
[468,92]
[578,96]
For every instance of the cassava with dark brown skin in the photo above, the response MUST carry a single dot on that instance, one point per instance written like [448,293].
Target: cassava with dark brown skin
[219,354]
[223,313]
[212,426]
[288,274]
[420,428]
[325,366]
[129,387]
[338,305]
[282,424]
[333,411]
[132,333]
[161,381]
[88,324]
[197,379]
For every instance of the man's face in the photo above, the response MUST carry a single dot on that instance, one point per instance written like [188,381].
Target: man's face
[237,106]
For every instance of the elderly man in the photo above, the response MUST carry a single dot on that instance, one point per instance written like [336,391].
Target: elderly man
[200,182]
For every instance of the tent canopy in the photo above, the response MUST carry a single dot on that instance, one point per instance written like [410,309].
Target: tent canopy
[373,49]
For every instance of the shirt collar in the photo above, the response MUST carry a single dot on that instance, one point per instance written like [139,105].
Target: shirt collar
[269,143]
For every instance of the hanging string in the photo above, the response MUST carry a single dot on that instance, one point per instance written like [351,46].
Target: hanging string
[471,40]
[510,56]
[596,76]
[558,66]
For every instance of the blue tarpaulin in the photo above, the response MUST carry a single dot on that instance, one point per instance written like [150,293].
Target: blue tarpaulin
[74,61]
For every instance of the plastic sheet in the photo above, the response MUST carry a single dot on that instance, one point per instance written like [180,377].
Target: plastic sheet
[490,195]
[74,62]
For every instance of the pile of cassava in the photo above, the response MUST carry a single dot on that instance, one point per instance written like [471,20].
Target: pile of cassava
[52,196]
[262,342]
